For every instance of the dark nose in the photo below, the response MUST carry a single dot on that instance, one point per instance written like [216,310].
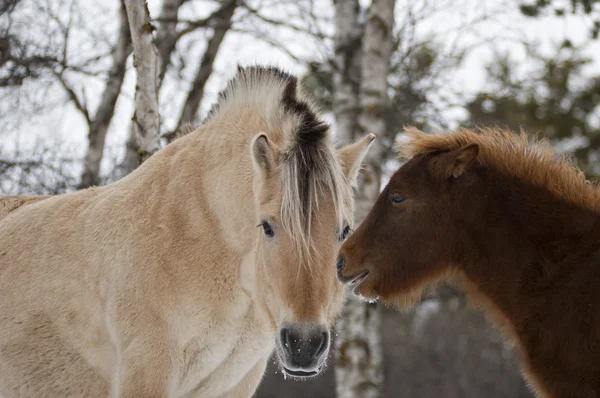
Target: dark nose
[304,351]
[341,262]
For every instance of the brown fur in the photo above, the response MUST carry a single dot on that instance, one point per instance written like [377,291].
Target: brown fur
[164,284]
[519,225]
[513,154]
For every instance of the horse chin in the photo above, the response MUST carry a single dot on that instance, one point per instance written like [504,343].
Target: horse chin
[364,291]
[405,302]
[301,374]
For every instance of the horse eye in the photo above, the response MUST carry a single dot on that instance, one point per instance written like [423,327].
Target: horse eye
[267,229]
[397,197]
[345,233]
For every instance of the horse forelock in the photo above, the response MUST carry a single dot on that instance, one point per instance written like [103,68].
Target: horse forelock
[309,178]
[310,169]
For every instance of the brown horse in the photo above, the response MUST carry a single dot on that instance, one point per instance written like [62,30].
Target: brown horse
[518,225]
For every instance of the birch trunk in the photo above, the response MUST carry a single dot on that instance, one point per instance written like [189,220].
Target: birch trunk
[359,367]
[376,58]
[166,37]
[146,119]
[346,74]
[106,108]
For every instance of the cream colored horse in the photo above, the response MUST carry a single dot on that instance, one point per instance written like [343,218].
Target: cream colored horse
[180,279]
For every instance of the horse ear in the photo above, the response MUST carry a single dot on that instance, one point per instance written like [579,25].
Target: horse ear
[262,156]
[352,155]
[454,163]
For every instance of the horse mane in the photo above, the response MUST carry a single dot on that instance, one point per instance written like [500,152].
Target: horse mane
[533,161]
[185,129]
[309,165]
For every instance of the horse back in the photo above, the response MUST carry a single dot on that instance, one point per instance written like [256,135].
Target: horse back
[8,204]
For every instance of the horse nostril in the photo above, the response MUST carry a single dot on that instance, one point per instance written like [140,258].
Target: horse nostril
[284,335]
[341,262]
[323,345]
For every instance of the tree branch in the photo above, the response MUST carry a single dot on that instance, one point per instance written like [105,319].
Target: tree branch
[7,6]
[263,37]
[214,20]
[286,24]
[79,104]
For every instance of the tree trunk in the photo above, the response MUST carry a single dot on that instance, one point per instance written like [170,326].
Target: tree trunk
[167,35]
[376,57]
[106,108]
[359,367]
[346,68]
[146,119]
[205,69]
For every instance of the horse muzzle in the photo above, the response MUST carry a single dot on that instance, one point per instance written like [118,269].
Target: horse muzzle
[303,349]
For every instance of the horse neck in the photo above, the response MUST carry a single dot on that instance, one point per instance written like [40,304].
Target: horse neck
[206,176]
[226,176]
[523,238]
[221,156]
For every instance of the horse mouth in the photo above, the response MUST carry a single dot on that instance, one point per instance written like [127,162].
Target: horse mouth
[359,279]
[300,374]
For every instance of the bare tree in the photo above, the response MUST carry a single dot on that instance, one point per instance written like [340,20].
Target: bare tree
[375,61]
[146,119]
[222,22]
[33,57]
[26,59]
[106,108]
[362,64]
[167,37]
[347,68]
[20,58]
[44,169]
[48,57]
[167,34]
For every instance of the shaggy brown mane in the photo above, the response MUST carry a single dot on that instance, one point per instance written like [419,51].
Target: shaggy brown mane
[533,161]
